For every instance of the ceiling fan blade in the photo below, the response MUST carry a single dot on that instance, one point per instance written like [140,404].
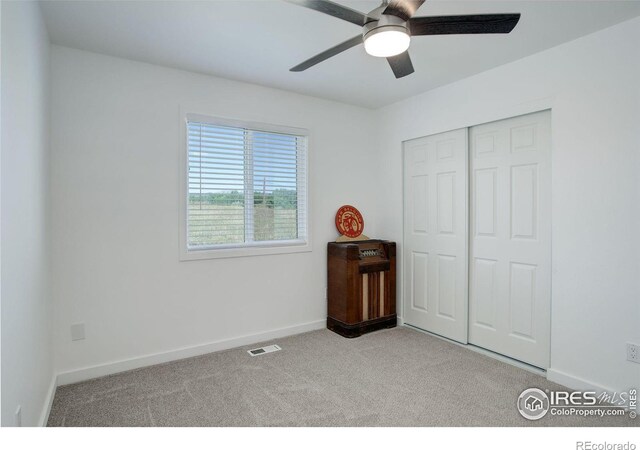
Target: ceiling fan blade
[471,24]
[333,51]
[405,9]
[335,10]
[401,64]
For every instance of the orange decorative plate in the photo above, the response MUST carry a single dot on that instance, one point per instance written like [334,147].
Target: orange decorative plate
[349,221]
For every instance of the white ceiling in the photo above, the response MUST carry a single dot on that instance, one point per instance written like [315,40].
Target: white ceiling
[258,41]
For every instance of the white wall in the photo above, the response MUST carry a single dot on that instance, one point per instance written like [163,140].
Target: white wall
[27,368]
[591,84]
[115,152]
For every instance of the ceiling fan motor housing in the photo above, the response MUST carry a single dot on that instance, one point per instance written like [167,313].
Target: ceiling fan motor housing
[387,22]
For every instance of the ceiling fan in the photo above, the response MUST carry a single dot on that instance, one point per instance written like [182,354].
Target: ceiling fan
[387,30]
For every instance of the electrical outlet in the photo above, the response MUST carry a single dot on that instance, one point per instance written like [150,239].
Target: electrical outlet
[77,332]
[633,352]
[18,419]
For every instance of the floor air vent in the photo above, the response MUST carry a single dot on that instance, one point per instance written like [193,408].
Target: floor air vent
[263,350]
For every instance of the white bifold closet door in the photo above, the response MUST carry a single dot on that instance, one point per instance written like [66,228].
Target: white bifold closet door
[510,244]
[435,234]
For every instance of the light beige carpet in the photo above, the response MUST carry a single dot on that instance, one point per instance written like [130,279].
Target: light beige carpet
[396,377]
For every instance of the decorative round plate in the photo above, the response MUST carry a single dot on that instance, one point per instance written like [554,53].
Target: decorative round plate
[349,221]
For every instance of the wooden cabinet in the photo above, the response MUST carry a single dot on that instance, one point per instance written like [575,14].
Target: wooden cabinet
[361,286]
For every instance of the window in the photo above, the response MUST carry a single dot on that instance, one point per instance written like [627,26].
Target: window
[246,187]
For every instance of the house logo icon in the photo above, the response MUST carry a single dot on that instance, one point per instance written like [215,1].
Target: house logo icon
[533,404]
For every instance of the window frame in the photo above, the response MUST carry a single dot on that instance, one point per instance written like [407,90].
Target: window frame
[246,248]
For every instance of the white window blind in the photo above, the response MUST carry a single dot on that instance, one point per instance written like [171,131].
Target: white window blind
[245,187]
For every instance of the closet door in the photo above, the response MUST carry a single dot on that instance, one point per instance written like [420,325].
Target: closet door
[435,234]
[510,245]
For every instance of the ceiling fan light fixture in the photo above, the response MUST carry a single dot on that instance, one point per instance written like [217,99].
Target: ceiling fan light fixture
[385,41]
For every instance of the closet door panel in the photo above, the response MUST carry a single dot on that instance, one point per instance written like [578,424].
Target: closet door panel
[510,242]
[435,234]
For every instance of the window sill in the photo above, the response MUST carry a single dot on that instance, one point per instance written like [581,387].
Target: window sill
[258,249]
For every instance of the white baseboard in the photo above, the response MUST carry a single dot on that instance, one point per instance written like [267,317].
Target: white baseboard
[576,383]
[46,410]
[87,373]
